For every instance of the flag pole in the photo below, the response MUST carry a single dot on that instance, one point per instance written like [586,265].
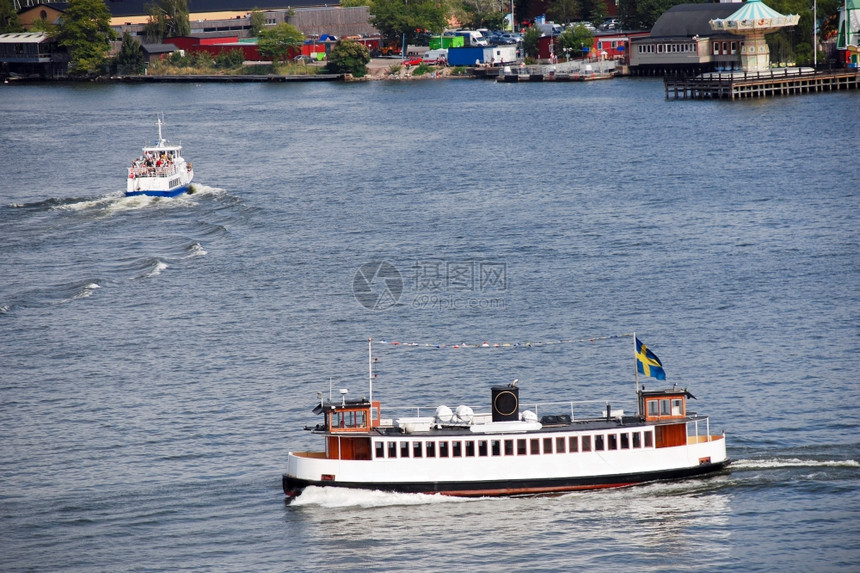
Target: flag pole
[636,375]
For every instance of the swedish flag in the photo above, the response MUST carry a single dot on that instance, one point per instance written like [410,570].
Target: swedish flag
[647,362]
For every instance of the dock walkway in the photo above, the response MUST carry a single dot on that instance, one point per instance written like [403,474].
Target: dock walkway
[742,85]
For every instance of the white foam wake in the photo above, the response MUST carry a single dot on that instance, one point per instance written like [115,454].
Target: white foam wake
[335,497]
[772,463]
[157,269]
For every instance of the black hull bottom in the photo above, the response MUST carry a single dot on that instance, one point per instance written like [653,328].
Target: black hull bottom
[293,487]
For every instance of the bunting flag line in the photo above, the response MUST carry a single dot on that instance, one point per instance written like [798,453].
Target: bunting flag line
[528,344]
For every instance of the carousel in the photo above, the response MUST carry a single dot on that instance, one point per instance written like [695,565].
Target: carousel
[753,21]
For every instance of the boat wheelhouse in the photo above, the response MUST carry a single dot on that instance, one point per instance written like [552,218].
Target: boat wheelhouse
[507,451]
[160,171]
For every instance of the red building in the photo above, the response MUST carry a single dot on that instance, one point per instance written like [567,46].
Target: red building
[215,45]
[609,45]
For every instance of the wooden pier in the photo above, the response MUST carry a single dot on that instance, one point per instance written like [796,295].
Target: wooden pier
[742,85]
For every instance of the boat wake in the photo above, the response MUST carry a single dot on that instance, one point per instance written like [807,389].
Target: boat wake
[117,202]
[157,268]
[776,463]
[337,497]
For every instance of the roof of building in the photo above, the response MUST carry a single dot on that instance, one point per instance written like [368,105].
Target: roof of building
[688,20]
[120,8]
[158,48]
[136,7]
[24,38]
[59,6]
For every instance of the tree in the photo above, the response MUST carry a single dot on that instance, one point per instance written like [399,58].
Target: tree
[573,40]
[130,59]
[85,31]
[348,57]
[43,25]
[257,21]
[564,11]
[530,41]
[483,13]
[9,18]
[275,42]
[642,14]
[167,19]
[396,19]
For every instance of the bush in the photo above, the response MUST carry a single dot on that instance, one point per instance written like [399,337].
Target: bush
[203,60]
[348,57]
[230,59]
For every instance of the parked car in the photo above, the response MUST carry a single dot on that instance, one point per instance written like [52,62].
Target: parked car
[411,62]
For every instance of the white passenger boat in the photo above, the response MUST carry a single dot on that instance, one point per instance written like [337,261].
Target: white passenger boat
[160,171]
[510,450]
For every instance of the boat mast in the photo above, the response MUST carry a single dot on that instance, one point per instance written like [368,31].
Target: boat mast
[370,368]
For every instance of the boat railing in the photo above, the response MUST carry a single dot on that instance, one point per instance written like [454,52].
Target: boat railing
[556,406]
[693,435]
[161,171]
[415,412]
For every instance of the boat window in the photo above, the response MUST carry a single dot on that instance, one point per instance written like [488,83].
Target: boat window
[392,449]
[534,446]
[496,447]
[649,439]
[613,441]
[677,407]
[380,450]
[598,443]
[431,449]
[586,443]
[521,447]
[416,449]
[637,439]
[470,449]
[653,408]
[573,444]
[559,445]
[443,449]
[482,447]
[665,410]
[625,441]
[509,447]
[457,449]
[404,449]
[349,419]
[547,445]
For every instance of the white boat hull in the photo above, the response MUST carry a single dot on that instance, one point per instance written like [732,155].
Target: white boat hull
[507,475]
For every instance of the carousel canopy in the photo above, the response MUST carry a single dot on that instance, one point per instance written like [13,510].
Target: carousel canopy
[754,15]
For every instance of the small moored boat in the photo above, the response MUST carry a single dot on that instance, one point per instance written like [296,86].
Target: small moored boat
[509,451]
[160,171]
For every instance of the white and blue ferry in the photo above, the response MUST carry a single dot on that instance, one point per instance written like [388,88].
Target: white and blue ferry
[160,171]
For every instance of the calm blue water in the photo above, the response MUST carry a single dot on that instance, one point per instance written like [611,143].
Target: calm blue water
[160,357]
